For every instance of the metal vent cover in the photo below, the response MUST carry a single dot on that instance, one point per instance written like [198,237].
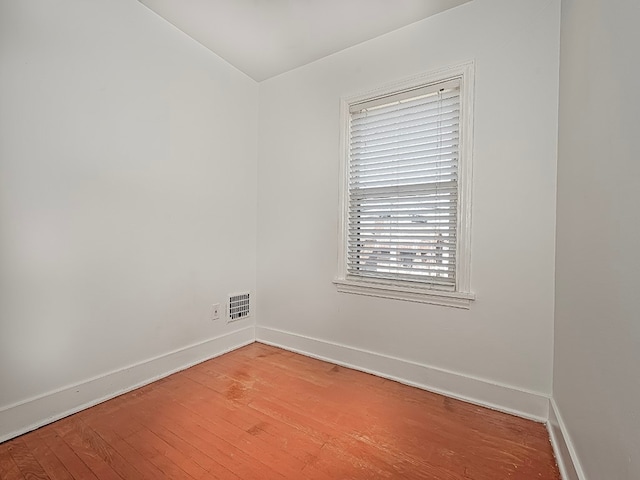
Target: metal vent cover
[238,306]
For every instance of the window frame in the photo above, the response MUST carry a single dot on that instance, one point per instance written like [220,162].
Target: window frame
[461,296]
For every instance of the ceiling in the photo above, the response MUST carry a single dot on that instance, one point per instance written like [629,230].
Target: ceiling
[264,38]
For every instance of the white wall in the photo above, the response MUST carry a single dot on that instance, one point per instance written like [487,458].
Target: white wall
[128,172]
[597,332]
[507,335]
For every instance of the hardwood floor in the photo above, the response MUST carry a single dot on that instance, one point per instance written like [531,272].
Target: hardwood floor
[264,413]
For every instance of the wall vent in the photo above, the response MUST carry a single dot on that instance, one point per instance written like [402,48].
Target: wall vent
[238,307]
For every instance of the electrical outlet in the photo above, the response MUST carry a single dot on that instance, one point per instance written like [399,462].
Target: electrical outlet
[215,311]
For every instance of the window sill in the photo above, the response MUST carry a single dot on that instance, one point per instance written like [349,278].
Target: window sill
[401,292]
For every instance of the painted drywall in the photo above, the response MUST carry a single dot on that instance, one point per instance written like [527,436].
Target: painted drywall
[506,337]
[597,327]
[128,172]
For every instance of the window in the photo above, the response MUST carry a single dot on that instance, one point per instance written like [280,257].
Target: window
[405,190]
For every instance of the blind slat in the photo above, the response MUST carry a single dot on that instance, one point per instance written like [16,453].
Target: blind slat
[409,181]
[432,190]
[395,274]
[413,140]
[425,157]
[392,132]
[443,147]
[409,171]
[365,236]
[436,246]
[423,260]
[417,127]
[400,123]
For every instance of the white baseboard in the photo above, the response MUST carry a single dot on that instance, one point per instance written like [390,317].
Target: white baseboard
[531,405]
[566,456]
[33,413]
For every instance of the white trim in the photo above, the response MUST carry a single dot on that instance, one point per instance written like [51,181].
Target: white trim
[504,398]
[390,289]
[566,456]
[465,177]
[395,97]
[400,292]
[27,415]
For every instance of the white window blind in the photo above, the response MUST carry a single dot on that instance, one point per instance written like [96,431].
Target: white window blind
[403,186]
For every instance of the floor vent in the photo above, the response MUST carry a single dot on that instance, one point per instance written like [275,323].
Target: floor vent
[238,306]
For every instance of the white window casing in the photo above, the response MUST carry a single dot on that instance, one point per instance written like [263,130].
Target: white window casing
[405,189]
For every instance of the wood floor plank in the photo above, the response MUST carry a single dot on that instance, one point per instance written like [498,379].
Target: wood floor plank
[197,458]
[27,463]
[261,412]
[8,468]
[51,464]
[241,421]
[124,458]
[169,468]
[200,464]
[152,446]
[95,454]
[186,425]
[248,441]
[65,454]
[223,442]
